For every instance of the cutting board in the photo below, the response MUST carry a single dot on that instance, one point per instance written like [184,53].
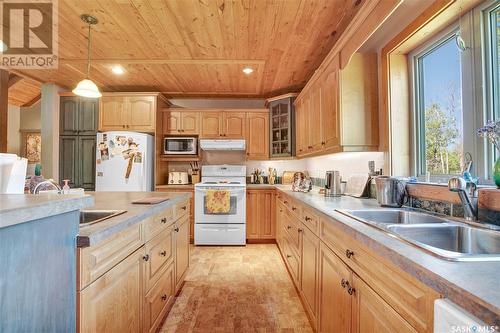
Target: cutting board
[356,185]
[149,201]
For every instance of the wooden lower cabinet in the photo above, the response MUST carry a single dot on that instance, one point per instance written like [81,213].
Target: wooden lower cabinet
[113,303]
[191,206]
[158,300]
[181,250]
[359,293]
[261,214]
[335,303]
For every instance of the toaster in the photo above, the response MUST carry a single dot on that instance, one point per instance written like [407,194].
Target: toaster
[178,178]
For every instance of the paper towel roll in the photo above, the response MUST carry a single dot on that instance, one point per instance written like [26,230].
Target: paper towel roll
[12,173]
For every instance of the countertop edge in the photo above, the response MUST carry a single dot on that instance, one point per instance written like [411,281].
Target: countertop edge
[61,204]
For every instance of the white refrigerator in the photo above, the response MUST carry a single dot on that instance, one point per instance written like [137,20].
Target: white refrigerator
[124,162]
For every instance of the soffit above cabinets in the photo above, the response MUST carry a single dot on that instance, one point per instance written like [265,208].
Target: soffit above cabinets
[198,48]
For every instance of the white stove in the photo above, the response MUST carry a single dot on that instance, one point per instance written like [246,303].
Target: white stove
[224,226]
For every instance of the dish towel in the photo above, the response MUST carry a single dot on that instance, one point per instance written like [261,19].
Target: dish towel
[218,202]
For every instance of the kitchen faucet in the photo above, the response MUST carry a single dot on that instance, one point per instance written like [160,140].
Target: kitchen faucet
[465,190]
[47,182]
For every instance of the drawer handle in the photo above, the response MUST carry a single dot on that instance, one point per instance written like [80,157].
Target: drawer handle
[145,257]
[164,220]
[307,218]
[289,227]
[349,253]
[164,297]
[183,207]
[163,253]
[351,290]
[176,229]
[344,283]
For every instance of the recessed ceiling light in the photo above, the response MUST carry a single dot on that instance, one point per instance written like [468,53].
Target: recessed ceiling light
[247,70]
[117,69]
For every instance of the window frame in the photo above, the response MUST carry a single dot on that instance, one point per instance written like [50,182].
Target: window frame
[418,166]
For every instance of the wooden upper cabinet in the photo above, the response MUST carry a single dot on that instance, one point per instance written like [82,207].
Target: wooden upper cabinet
[141,113]
[190,123]
[177,122]
[211,125]
[257,139]
[128,112]
[330,108]
[112,113]
[234,125]
[315,117]
[335,303]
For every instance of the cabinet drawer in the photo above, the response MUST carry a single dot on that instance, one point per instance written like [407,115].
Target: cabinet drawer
[159,251]
[296,209]
[293,230]
[94,261]
[292,261]
[182,209]
[158,299]
[408,296]
[311,220]
[154,225]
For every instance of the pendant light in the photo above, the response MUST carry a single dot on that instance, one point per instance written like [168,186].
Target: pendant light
[87,88]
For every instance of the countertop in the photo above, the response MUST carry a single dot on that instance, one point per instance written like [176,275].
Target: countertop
[471,285]
[94,233]
[20,208]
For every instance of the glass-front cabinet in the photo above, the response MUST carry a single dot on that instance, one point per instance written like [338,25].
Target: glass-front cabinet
[282,126]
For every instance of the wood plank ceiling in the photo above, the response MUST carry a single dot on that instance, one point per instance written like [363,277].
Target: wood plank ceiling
[198,47]
[24,92]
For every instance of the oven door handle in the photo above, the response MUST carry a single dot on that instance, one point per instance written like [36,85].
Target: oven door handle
[230,189]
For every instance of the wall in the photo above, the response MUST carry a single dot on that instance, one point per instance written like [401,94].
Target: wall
[13,136]
[31,118]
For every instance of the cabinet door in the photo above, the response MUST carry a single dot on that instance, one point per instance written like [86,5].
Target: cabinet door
[86,162]
[112,113]
[171,122]
[158,299]
[88,114]
[181,249]
[141,113]
[335,304]
[160,251]
[190,123]
[68,124]
[69,160]
[113,303]
[257,140]
[330,108]
[371,314]
[310,270]
[314,123]
[267,224]
[211,125]
[252,214]
[234,125]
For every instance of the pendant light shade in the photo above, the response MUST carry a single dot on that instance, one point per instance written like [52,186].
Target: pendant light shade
[87,88]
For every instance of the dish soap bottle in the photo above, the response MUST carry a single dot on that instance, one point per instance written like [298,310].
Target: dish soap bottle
[66,186]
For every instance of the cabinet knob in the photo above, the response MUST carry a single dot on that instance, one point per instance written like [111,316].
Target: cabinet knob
[294,208]
[145,257]
[344,283]
[289,227]
[164,220]
[123,126]
[285,202]
[163,253]
[184,207]
[288,256]
[323,143]
[176,229]
[351,290]
[349,253]
[307,218]
[300,230]
[164,297]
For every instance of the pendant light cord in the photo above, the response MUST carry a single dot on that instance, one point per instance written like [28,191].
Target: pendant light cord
[88,52]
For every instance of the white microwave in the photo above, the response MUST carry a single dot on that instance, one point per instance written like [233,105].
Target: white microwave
[180,145]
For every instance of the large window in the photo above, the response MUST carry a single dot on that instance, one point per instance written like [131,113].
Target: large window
[493,32]
[439,118]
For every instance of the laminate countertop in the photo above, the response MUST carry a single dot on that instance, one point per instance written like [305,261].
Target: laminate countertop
[21,208]
[135,213]
[473,286]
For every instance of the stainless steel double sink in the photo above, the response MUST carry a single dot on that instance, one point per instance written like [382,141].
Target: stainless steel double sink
[440,236]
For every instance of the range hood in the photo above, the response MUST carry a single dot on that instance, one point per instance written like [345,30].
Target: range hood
[222,144]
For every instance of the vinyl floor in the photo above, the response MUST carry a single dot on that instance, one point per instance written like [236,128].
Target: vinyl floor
[237,289]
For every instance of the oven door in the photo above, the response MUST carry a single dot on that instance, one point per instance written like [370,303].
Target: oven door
[180,146]
[237,206]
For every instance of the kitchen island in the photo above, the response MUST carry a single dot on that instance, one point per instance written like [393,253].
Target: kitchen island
[38,261]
